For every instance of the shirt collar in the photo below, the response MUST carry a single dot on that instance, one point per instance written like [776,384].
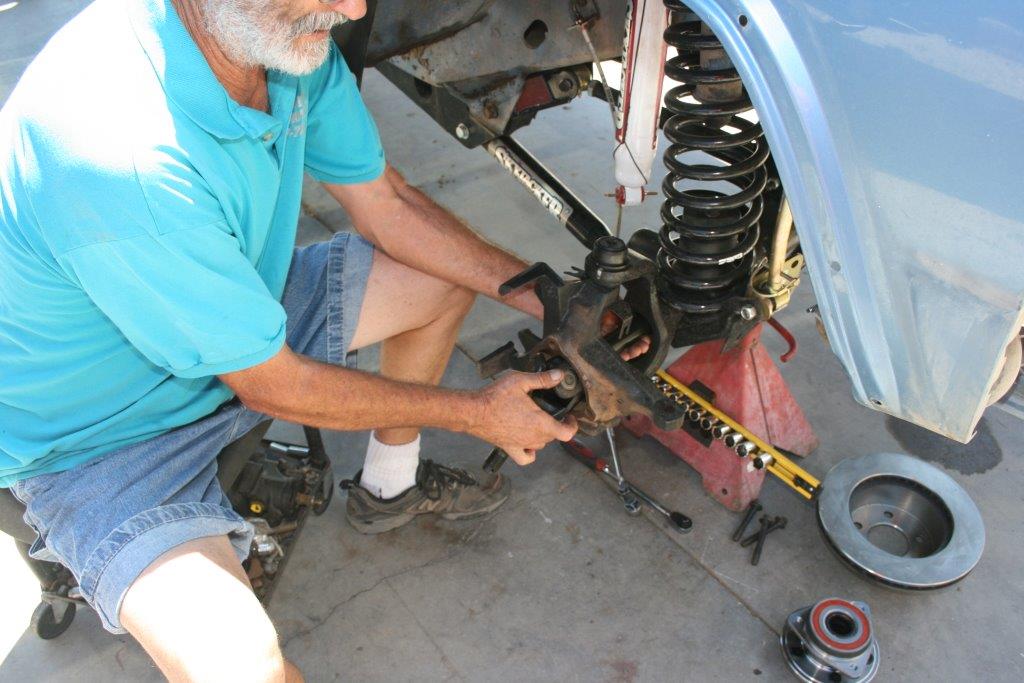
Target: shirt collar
[189,82]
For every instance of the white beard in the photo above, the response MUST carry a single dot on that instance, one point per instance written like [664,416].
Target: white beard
[252,33]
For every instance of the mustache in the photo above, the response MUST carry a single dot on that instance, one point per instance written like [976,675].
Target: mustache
[317,21]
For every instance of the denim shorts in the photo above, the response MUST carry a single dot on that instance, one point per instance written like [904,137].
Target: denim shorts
[109,518]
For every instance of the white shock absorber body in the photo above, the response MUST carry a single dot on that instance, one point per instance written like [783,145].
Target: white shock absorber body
[643,69]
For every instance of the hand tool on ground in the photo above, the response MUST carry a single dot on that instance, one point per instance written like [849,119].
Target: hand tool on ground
[577,450]
[752,510]
[629,500]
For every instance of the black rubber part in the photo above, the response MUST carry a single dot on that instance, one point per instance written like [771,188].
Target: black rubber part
[45,624]
[681,522]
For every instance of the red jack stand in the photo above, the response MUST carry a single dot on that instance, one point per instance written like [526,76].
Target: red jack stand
[748,388]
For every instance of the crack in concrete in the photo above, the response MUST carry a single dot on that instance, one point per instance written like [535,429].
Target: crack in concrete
[452,553]
[317,623]
[737,596]
[444,656]
[699,561]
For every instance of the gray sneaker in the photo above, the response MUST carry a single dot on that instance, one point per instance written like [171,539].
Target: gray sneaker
[446,491]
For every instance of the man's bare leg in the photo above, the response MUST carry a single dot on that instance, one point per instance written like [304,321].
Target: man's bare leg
[417,319]
[194,612]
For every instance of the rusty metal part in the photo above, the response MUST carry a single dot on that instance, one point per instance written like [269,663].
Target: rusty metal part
[573,332]
[458,40]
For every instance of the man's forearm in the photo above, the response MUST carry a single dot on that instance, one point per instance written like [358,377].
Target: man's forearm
[332,397]
[416,231]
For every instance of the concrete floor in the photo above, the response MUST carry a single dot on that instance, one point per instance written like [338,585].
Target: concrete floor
[560,584]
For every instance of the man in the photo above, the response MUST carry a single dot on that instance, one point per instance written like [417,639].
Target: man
[150,173]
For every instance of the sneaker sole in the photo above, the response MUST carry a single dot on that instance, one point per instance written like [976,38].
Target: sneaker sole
[379,526]
[476,513]
[383,524]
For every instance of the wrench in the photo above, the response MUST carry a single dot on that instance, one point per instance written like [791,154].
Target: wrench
[678,520]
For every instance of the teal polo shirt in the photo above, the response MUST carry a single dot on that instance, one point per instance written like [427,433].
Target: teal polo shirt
[147,223]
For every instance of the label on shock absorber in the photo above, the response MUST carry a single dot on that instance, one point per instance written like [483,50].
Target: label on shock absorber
[544,194]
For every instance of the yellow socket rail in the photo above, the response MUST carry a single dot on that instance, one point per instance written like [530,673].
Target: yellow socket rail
[762,455]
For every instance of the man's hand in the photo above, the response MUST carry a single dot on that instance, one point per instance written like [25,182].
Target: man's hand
[609,323]
[513,422]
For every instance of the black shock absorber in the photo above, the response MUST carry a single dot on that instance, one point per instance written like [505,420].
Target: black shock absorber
[712,208]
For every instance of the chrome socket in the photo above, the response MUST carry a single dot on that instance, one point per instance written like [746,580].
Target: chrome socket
[731,440]
[746,448]
[720,430]
[763,460]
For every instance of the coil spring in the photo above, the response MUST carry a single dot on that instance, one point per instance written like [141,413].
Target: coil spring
[708,234]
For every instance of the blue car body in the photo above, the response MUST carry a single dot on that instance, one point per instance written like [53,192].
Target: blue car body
[896,128]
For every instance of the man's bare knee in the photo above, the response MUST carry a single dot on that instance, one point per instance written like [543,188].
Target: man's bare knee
[458,301]
[195,614]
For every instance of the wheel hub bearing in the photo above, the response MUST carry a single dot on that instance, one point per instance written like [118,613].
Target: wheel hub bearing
[900,521]
[831,642]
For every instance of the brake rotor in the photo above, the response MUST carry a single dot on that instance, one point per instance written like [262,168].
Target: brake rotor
[831,642]
[900,521]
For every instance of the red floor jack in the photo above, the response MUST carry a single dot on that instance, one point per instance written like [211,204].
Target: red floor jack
[744,384]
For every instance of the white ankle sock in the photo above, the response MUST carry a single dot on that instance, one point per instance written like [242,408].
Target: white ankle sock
[389,470]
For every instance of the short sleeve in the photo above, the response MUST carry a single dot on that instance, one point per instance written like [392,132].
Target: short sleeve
[342,142]
[188,300]
[130,221]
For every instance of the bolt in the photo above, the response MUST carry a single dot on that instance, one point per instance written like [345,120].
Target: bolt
[462,131]
[760,542]
[777,523]
[565,85]
[752,510]
[748,312]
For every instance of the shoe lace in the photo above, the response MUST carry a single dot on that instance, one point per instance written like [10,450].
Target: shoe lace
[433,478]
